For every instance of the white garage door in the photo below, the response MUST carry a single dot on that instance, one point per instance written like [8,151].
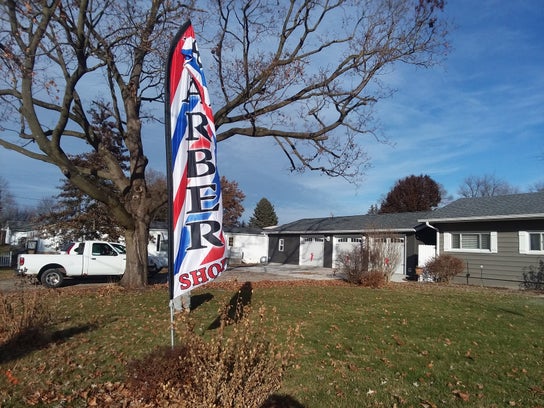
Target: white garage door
[343,245]
[392,248]
[311,250]
[398,245]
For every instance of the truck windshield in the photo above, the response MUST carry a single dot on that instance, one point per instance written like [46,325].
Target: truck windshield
[120,248]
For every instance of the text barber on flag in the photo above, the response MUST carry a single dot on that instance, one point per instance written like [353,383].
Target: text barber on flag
[196,241]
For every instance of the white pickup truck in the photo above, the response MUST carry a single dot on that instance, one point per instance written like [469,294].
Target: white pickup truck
[81,259]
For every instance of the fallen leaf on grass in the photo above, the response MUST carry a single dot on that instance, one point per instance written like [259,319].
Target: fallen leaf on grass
[537,390]
[465,396]
[11,378]
[398,340]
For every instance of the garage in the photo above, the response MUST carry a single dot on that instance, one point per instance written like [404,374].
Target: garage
[320,241]
[343,244]
[311,250]
[398,248]
[393,249]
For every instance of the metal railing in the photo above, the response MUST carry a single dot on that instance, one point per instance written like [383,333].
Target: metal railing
[5,259]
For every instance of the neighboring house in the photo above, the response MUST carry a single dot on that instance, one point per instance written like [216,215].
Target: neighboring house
[22,235]
[246,245]
[497,237]
[320,241]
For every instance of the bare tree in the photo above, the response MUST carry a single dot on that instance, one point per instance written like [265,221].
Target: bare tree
[485,186]
[305,73]
[53,56]
[7,203]
[536,187]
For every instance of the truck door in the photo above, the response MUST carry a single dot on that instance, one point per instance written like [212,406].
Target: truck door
[104,260]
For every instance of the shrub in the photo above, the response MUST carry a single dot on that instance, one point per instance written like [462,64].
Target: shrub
[240,365]
[354,264]
[367,266]
[373,279]
[444,268]
[24,315]
[533,277]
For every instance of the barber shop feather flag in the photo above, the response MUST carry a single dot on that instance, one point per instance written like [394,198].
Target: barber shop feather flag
[196,242]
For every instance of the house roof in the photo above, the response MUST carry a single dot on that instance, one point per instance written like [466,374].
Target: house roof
[400,222]
[243,230]
[515,206]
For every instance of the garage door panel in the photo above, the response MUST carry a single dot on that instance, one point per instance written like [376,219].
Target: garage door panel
[311,250]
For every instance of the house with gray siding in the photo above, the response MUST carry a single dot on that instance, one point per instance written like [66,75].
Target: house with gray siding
[319,241]
[498,237]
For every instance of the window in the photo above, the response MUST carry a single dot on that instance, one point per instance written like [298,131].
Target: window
[281,244]
[536,241]
[471,241]
[102,249]
[313,239]
[231,241]
[531,242]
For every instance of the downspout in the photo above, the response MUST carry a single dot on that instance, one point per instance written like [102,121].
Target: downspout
[437,249]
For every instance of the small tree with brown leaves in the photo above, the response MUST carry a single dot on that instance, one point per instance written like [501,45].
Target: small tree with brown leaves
[232,202]
[412,193]
[444,268]
[372,262]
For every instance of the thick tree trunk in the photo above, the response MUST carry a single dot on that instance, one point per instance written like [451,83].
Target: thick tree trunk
[136,268]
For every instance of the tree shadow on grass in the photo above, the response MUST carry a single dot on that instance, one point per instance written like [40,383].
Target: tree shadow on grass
[281,401]
[38,338]
[235,309]
[199,300]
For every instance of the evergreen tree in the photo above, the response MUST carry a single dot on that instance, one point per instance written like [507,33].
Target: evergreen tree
[264,215]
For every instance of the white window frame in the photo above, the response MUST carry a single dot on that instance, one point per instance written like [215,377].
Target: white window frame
[281,245]
[492,242]
[525,243]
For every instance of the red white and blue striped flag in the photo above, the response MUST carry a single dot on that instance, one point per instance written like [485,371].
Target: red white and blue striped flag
[196,241]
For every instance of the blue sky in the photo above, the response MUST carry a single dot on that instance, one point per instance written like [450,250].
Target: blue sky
[480,112]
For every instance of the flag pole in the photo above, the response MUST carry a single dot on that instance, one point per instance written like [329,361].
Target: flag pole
[169,169]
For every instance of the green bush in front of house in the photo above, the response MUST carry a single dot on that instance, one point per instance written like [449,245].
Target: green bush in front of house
[533,277]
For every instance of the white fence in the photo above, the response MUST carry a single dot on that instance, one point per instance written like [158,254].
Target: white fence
[5,260]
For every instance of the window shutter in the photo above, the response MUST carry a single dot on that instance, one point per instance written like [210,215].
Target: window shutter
[494,242]
[523,241]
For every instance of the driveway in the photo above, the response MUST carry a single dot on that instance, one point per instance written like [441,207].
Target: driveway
[277,272]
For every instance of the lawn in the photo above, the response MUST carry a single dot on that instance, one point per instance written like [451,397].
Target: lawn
[407,345]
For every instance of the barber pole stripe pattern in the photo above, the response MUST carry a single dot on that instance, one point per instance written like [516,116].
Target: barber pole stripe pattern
[198,242]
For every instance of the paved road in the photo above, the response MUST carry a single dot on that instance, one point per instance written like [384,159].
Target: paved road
[270,272]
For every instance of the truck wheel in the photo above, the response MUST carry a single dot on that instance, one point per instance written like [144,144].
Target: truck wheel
[152,270]
[52,278]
